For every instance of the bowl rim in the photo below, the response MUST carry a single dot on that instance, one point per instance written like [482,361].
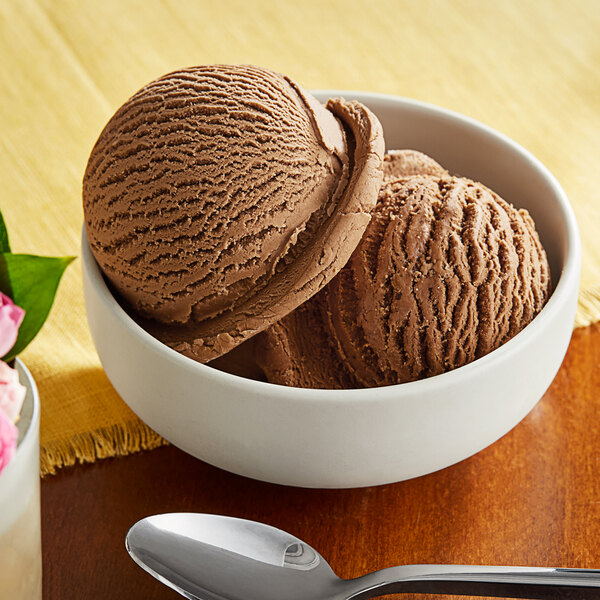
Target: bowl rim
[568,278]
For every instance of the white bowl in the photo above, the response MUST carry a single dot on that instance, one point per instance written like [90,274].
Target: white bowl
[353,438]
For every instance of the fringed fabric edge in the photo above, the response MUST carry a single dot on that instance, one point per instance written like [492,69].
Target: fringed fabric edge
[116,440]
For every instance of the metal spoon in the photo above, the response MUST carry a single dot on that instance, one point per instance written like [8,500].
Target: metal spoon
[211,557]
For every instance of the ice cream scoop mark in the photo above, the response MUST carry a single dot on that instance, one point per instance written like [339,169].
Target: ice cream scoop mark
[216,73]
[120,175]
[132,173]
[163,276]
[486,304]
[248,241]
[387,272]
[518,311]
[256,190]
[350,334]
[148,120]
[157,232]
[207,182]
[131,150]
[187,198]
[193,121]
[475,251]
[116,245]
[137,205]
[196,108]
[386,309]
[269,86]
[127,121]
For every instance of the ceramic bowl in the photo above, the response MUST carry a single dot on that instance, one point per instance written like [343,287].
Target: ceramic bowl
[354,438]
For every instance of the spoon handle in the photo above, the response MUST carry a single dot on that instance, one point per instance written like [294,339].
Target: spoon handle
[535,583]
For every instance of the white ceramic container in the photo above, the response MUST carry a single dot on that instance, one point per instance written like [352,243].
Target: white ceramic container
[353,438]
[20,533]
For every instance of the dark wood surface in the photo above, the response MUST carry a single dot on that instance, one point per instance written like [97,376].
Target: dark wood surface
[532,498]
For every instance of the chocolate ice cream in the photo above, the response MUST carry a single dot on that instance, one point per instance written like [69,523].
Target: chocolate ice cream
[219,198]
[446,272]
[404,163]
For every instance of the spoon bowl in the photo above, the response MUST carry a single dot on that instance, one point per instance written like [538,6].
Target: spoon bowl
[212,557]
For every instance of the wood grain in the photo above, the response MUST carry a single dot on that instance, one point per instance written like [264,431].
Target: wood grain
[532,498]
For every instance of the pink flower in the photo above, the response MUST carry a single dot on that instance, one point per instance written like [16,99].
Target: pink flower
[8,440]
[11,317]
[12,393]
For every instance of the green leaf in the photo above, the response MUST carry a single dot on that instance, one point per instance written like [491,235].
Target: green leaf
[33,281]
[4,243]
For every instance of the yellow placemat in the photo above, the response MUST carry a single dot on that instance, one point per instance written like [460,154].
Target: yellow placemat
[530,69]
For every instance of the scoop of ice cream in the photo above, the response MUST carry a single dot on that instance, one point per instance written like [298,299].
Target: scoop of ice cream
[446,272]
[405,163]
[219,198]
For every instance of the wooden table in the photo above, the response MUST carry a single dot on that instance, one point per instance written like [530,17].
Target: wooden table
[532,498]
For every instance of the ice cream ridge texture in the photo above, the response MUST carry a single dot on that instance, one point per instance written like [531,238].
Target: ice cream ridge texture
[220,198]
[225,204]
[446,272]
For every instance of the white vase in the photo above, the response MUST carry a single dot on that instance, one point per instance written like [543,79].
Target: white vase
[20,532]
